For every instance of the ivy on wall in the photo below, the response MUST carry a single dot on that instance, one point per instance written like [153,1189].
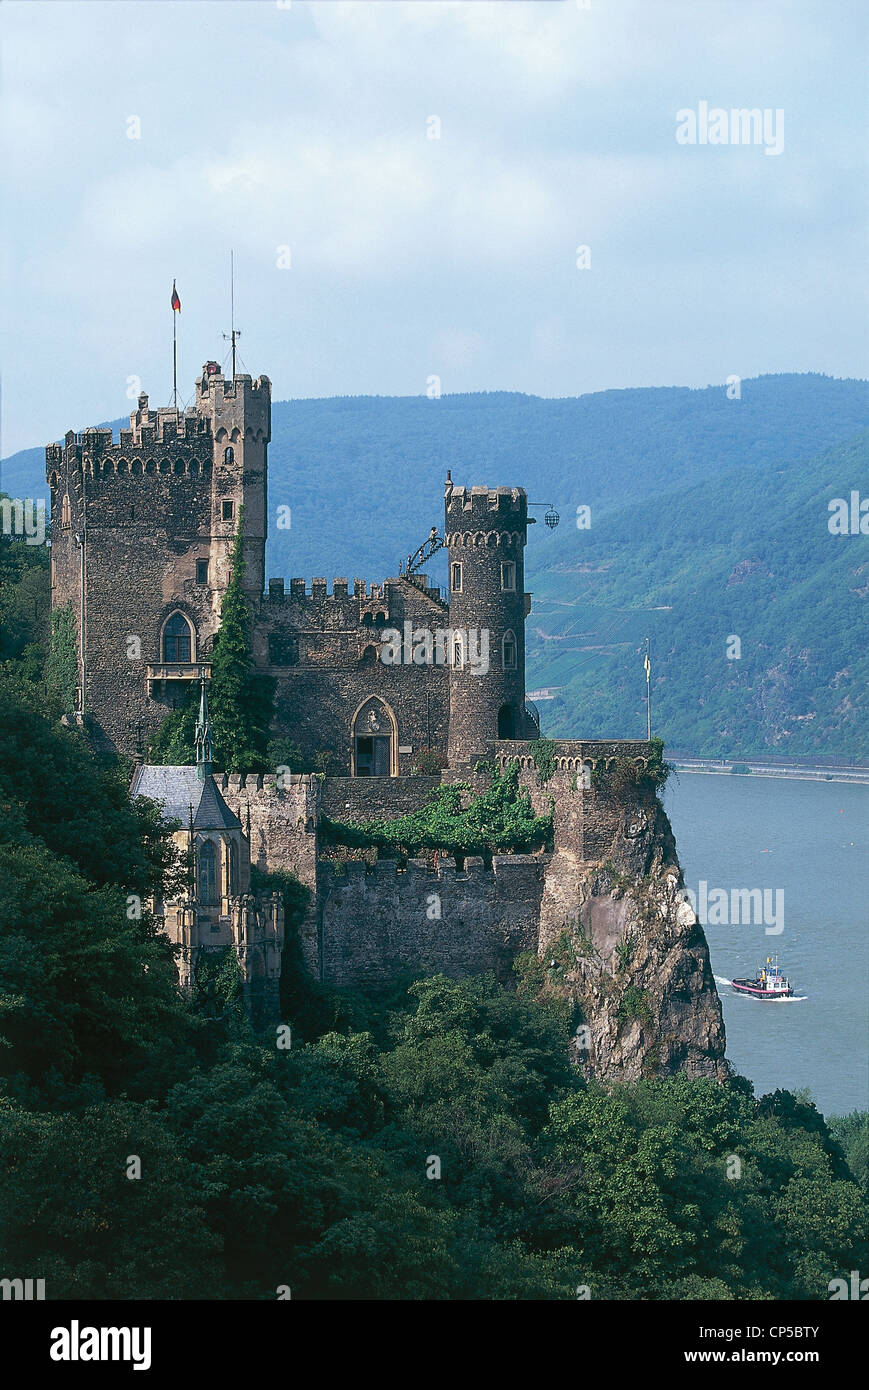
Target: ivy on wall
[500,820]
[62,668]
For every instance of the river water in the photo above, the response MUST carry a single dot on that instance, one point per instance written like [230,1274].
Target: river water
[808,841]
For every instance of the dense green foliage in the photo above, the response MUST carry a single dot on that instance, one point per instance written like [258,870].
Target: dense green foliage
[62,667]
[851,1132]
[240,699]
[500,819]
[25,600]
[174,743]
[86,980]
[437,1144]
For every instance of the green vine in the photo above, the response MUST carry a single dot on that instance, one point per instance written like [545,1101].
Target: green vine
[217,984]
[624,778]
[500,820]
[61,672]
[543,754]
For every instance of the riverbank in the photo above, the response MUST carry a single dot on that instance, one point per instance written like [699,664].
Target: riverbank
[759,768]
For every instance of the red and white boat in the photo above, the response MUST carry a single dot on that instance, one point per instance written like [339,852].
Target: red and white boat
[768,983]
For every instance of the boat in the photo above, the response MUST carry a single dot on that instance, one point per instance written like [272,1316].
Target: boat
[768,983]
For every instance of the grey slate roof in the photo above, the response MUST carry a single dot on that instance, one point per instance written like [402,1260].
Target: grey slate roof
[179,788]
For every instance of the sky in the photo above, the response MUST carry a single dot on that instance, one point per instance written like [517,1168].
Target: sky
[405,187]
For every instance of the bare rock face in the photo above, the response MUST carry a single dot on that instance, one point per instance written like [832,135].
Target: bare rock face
[634,960]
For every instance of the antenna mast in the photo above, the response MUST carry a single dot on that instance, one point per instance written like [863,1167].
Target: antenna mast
[233,331]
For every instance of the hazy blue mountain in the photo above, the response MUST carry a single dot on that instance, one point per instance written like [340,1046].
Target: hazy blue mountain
[746,555]
[678,481]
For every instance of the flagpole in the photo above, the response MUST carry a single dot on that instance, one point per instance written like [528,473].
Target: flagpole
[174,357]
[648,693]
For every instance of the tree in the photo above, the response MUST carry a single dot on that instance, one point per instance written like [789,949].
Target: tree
[240,698]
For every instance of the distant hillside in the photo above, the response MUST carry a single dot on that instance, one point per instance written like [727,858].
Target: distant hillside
[748,555]
[363,477]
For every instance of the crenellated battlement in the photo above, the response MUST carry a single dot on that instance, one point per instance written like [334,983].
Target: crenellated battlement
[375,597]
[265,783]
[510,871]
[572,755]
[381,923]
[464,505]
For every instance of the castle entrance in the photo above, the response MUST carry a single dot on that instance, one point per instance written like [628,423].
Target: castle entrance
[374,740]
[372,757]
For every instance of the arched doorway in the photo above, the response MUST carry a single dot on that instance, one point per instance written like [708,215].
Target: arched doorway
[374,739]
[506,722]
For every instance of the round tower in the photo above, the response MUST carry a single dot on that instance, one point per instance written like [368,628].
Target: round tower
[485,531]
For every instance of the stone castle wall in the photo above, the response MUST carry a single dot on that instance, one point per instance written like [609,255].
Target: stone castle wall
[283,836]
[375,798]
[385,923]
[322,649]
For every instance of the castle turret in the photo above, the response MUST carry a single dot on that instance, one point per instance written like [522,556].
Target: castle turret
[240,414]
[485,533]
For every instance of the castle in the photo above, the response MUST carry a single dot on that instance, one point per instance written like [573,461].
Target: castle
[392,688]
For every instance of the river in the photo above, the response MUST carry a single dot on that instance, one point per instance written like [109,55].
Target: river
[809,842]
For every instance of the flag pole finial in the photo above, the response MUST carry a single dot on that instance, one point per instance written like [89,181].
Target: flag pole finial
[176,309]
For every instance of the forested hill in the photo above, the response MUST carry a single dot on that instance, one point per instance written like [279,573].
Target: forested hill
[363,477]
[748,556]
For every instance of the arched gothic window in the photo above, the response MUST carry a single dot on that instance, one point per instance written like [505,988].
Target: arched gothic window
[508,652]
[177,639]
[207,874]
[229,454]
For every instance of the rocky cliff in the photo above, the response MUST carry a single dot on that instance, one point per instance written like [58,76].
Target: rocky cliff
[620,940]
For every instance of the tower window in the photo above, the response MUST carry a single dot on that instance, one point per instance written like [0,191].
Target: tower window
[508,576]
[207,875]
[65,510]
[201,571]
[456,578]
[227,510]
[177,642]
[229,454]
[508,652]
[458,652]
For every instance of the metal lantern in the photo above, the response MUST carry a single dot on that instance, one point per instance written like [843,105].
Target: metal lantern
[552,518]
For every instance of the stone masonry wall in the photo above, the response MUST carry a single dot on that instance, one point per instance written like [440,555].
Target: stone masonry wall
[379,925]
[375,798]
[283,835]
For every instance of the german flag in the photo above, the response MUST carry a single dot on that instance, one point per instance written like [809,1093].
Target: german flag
[176,301]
